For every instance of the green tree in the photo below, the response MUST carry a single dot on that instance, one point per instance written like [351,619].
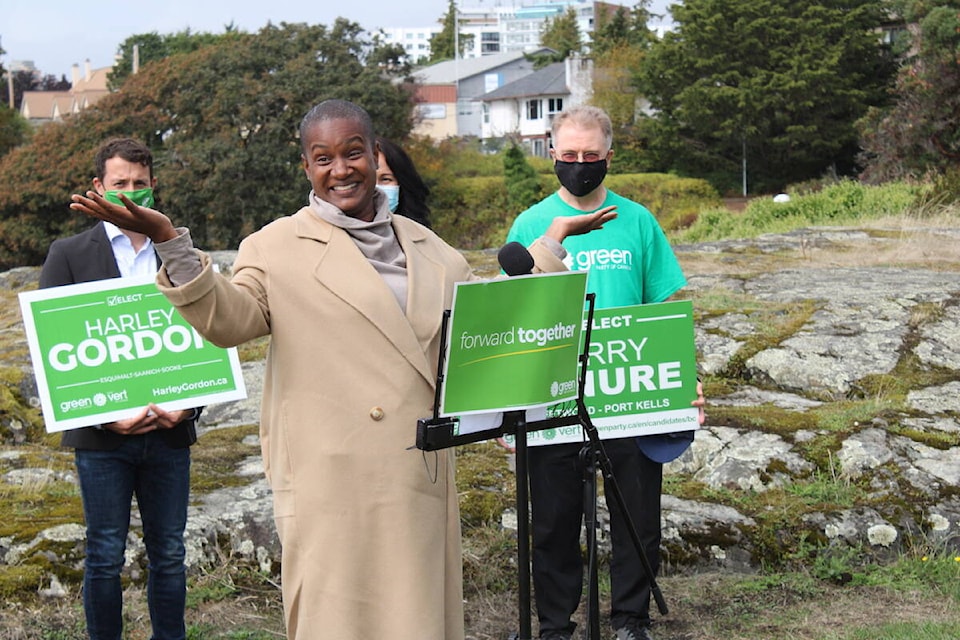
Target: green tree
[153,46]
[14,130]
[920,133]
[28,81]
[561,34]
[449,39]
[619,48]
[622,28]
[776,85]
[222,122]
[391,59]
[521,180]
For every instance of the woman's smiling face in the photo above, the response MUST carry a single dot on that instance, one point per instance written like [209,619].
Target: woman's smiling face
[340,161]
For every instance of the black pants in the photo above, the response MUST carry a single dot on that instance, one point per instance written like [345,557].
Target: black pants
[556,499]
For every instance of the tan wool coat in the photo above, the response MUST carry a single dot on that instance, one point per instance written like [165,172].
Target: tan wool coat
[369,526]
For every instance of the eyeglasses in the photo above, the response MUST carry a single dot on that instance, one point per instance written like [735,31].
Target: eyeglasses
[573,156]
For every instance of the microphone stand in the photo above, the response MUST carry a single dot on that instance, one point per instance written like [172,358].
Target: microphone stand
[517,421]
[610,481]
[439,433]
[588,460]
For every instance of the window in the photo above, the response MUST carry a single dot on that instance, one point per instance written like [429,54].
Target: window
[554,105]
[533,110]
[432,111]
[485,108]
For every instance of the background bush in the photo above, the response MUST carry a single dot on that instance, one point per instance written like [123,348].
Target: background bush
[476,212]
[844,202]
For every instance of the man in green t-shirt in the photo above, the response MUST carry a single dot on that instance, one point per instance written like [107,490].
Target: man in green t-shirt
[630,262]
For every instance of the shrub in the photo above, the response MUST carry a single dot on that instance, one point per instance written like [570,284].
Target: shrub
[479,216]
[844,202]
[477,212]
[675,201]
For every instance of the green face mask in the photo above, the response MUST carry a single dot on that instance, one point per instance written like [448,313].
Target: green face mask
[142,197]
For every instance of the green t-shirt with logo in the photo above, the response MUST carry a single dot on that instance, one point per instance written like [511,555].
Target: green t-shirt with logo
[629,260]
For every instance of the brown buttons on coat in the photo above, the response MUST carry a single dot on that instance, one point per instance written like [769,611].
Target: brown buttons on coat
[376,413]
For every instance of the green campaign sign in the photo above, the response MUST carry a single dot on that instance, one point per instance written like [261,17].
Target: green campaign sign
[641,374]
[104,350]
[513,343]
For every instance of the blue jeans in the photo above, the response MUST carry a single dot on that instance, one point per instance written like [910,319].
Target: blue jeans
[159,476]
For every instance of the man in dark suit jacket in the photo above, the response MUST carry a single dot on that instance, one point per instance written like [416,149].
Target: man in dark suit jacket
[147,455]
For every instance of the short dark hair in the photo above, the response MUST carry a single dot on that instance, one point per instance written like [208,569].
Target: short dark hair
[335,109]
[126,148]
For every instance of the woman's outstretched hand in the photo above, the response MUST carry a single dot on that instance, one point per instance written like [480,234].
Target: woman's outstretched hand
[132,217]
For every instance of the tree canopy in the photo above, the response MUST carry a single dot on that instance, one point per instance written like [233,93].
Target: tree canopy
[222,122]
[622,28]
[778,86]
[521,179]
[920,133]
[619,46]
[449,42]
[561,34]
[153,46]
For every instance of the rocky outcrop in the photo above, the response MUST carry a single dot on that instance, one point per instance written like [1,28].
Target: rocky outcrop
[837,420]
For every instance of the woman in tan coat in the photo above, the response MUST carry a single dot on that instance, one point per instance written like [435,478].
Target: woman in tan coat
[352,298]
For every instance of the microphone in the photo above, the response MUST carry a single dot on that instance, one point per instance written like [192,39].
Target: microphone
[515,260]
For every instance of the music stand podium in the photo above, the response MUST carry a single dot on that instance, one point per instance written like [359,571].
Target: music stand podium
[440,432]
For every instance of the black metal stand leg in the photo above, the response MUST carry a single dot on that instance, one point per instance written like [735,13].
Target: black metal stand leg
[614,489]
[517,419]
[588,462]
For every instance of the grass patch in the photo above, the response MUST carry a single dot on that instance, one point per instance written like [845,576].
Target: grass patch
[942,440]
[766,417]
[215,457]
[824,490]
[847,415]
[718,301]
[905,631]
[909,373]
[844,203]
[772,325]
[41,500]
[254,350]
[936,570]
[485,485]
[489,561]
[14,409]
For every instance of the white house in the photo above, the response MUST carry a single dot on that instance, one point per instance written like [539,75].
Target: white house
[464,81]
[526,107]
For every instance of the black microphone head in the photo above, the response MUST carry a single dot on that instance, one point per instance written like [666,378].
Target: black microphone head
[515,260]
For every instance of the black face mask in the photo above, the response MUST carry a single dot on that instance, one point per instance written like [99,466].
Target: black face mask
[580,178]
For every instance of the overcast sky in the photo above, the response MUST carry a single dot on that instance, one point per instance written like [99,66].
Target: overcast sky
[55,34]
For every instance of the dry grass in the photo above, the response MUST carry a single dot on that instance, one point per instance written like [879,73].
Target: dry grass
[704,606]
[904,243]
